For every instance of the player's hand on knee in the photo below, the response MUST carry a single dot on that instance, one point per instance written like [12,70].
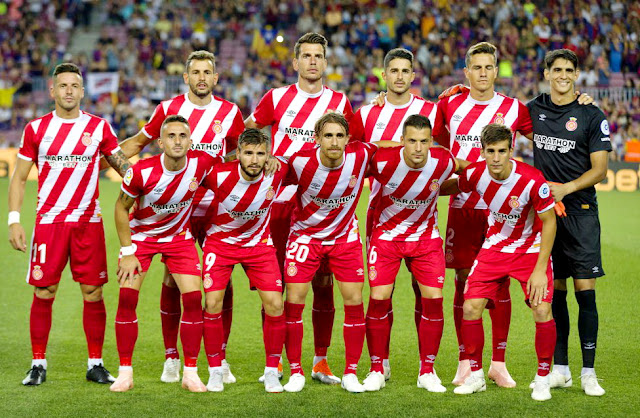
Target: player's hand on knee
[273,165]
[537,287]
[128,269]
[17,237]
[379,99]
[457,89]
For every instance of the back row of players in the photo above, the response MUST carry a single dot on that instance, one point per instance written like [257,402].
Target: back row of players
[237,205]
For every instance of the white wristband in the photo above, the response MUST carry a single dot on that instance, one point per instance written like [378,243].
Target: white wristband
[130,250]
[14,217]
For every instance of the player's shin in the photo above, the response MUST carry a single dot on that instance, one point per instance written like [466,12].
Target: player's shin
[561,316]
[377,331]
[458,302]
[500,323]
[213,337]
[94,319]
[274,333]
[227,317]
[191,326]
[322,316]
[354,334]
[587,326]
[127,324]
[40,326]
[473,337]
[170,319]
[294,334]
[430,333]
[545,342]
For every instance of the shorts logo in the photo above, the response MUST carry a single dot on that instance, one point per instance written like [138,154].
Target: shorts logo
[593,269]
[499,119]
[544,191]
[434,185]
[572,124]
[37,273]
[372,273]
[217,126]
[86,139]
[279,282]
[208,282]
[128,176]
[292,270]
[270,193]
[604,127]
[513,202]
[193,185]
[198,267]
[353,181]
[440,280]
[103,274]
[360,272]
[448,256]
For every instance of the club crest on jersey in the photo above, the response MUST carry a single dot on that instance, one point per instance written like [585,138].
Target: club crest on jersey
[353,181]
[372,273]
[434,185]
[499,119]
[572,124]
[128,176]
[448,256]
[513,202]
[193,185]
[37,273]
[208,281]
[217,126]
[292,270]
[270,193]
[86,139]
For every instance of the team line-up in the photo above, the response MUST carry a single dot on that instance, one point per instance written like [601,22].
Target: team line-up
[284,208]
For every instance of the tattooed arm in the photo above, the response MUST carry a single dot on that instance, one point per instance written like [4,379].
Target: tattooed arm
[129,265]
[119,162]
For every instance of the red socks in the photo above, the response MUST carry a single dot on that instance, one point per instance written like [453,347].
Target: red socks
[94,321]
[377,331]
[473,334]
[322,318]
[213,336]
[191,327]
[500,322]
[545,345]
[274,332]
[354,333]
[293,342]
[170,318]
[227,316]
[458,302]
[126,324]
[40,325]
[430,333]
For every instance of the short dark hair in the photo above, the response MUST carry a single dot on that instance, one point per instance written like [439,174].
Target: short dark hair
[565,54]
[401,53]
[66,67]
[495,132]
[331,118]
[416,121]
[481,48]
[200,55]
[311,38]
[175,118]
[253,136]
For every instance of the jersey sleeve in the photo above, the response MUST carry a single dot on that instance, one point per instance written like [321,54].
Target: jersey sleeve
[348,110]
[264,113]
[209,181]
[541,196]
[28,146]
[598,134]
[132,182]
[465,183]
[109,144]
[237,127]
[291,178]
[152,128]
[356,128]
[525,126]
[439,132]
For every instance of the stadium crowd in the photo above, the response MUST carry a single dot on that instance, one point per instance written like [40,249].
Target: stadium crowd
[146,41]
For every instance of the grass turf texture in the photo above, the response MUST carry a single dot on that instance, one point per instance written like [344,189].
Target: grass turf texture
[67,393]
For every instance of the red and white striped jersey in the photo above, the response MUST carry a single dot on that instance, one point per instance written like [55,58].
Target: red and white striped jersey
[513,203]
[464,118]
[164,198]
[407,207]
[243,208]
[67,153]
[215,128]
[326,199]
[376,123]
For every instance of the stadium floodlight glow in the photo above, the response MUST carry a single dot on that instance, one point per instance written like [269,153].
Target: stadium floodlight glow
[279,38]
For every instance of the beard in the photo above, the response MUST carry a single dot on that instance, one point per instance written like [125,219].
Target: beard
[200,93]
[249,174]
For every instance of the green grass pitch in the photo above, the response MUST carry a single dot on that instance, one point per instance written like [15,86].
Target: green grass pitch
[67,393]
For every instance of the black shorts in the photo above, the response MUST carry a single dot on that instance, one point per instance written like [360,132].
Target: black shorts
[576,251]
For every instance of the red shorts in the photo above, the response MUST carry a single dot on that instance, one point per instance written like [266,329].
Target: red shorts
[344,260]
[199,229]
[258,262]
[425,259]
[466,229]
[180,257]
[82,243]
[492,269]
